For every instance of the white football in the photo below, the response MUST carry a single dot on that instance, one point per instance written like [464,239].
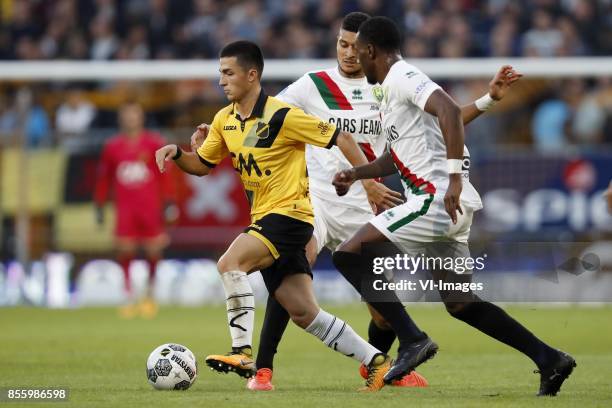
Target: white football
[171,366]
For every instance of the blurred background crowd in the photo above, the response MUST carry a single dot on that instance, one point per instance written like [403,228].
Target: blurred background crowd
[549,114]
[555,133]
[161,29]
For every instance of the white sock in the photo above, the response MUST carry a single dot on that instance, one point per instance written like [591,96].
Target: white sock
[240,307]
[339,336]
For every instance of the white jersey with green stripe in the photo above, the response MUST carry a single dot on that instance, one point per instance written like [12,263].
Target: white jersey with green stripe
[349,104]
[413,136]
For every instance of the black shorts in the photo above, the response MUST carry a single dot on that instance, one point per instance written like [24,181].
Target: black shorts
[286,238]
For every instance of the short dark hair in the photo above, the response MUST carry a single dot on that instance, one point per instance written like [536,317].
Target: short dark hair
[382,32]
[352,21]
[247,53]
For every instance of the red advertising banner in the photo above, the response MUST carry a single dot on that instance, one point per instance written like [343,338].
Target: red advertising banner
[213,209]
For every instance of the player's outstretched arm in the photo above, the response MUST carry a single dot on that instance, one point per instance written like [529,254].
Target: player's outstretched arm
[381,167]
[378,194]
[498,88]
[187,161]
[448,113]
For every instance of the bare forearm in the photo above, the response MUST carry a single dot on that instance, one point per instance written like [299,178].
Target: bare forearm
[350,149]
[190,163]
[381,167]
[469,113]
[452,129]
[449,117]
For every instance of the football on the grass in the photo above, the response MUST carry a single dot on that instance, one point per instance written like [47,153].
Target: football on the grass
[171,366]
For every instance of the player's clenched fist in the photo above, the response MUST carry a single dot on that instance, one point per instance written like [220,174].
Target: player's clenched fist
[164,154]
[343,181]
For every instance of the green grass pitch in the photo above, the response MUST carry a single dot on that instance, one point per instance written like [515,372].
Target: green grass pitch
[102,360]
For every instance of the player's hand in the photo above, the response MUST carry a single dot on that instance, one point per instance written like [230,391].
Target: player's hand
[164,154]
[451,198]
[198,137]
[502,81]
[381,196]
[99,210]
[343,181]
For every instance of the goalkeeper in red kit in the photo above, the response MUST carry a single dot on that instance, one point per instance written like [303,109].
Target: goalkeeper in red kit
[142,199]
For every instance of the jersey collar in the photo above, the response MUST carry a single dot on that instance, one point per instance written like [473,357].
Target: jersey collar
[258,109]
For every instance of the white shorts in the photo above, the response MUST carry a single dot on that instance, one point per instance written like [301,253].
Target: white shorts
[423,218]
[334,223]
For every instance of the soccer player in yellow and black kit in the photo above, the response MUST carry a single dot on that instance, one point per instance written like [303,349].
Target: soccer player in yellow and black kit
[266,139]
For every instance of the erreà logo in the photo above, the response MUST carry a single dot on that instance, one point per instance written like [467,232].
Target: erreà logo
[357,94]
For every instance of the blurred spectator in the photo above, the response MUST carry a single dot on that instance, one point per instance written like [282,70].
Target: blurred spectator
[572,44]
[542,39]
[591,114]
[104,43]
[75,115]
[22,24]
[160,26]
[552,120]
[503,41]
[416,47]
[136,45]
[247,20]
[27,49]
[38,129]
[76,47]
[8,120]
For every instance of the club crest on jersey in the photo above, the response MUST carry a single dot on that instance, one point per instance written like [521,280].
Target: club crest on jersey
[378,93]
[263,130]
[357,94]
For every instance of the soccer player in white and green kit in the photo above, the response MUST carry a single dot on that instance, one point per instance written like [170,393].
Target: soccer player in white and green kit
[424,131]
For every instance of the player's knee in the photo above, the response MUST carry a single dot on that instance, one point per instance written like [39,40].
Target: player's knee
[303,317]
[225,264]
[457,309]
[381,323]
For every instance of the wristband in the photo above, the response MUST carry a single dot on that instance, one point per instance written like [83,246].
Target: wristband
[485,102]
[178,154]
[454,166]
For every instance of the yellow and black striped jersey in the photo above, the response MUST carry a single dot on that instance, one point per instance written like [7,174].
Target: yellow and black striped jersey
[268,150]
